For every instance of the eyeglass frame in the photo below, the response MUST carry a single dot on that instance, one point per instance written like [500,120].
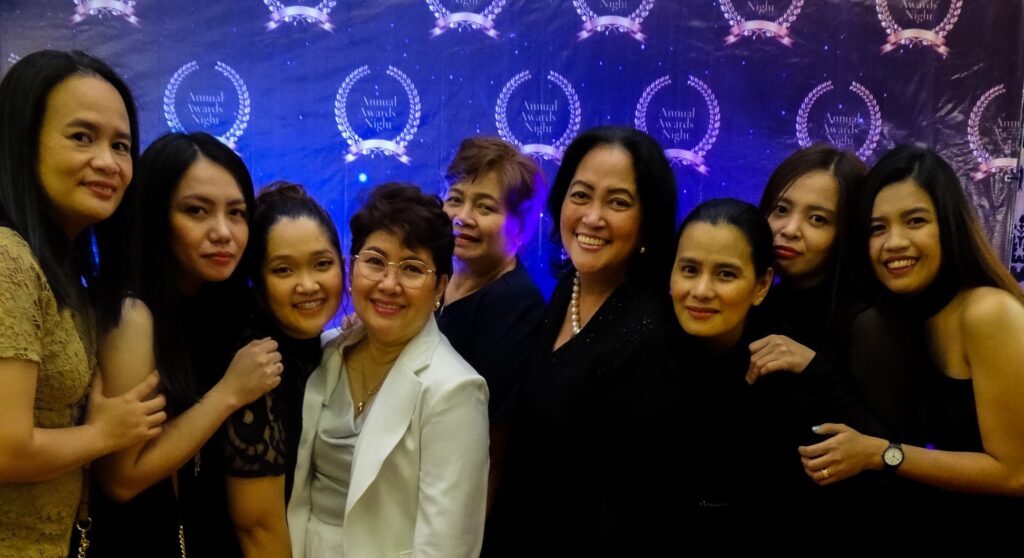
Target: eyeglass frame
[387,263]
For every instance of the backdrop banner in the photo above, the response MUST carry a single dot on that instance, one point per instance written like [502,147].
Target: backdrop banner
[340,96]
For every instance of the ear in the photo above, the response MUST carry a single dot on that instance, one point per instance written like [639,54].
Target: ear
[763,284]
[441,287]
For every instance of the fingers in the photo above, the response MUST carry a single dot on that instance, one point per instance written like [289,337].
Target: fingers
[145,387]
[156,419]
[151,406]
[816,450]
[760,344]
[829,428]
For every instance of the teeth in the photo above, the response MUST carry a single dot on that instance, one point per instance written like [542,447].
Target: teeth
[312,304]
[900,263]
[386,305]
[587,240]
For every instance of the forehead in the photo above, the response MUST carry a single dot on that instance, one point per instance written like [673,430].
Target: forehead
[88,97]
[607,166]
[486,183]
[209,180]
[390,245]
[814,188]
[901,196]
[713,244]
[297,235]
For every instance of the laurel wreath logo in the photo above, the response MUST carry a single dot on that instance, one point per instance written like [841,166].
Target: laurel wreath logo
[13,58]
[242,113]
[101,8]
[695,156]
[874,116]
[490,12]
[587,14]
[324,7]
[785,20]
[934,37]
[571,129]
[594,23]
[988,164]
[359,146]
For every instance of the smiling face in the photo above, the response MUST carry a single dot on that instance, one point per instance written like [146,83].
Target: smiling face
[803,222]
[85,161]
[714,283]
[486,234]
[904,246]
[302,274]
[601,213]
[209,229]
[392,313]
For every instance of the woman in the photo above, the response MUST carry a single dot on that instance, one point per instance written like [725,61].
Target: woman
[185,314]
[587,454]
[805,202]
[746,465]
[943,365]
[491,308]
[299,279]
[68,133]
[393,455]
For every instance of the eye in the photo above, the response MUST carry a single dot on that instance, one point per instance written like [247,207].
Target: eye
[372,260]
[453,200]
[819,220]
[877,229]
[486,209]
[195,210]
[413,268]
[727,275]
[579,196]
[917,222]
[81,137]
[280,270]
[237,212]
[780,210]
[620,204]
[123,147]
[688,270]
[324,264]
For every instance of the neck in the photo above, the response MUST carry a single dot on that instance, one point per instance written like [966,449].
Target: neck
[804,281]
[600,285]
[722,343]
[380,354]
[468,279]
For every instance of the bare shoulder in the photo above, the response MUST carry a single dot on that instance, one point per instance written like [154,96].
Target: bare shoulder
[989,311]
[126,354]
[135,315]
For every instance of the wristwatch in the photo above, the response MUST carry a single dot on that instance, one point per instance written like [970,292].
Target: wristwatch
[892,457]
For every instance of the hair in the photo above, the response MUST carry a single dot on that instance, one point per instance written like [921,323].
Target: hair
[746,218]
[968,259]
[283,200]
[844,166]
[161,169]
[519,177]
[415,217]
[656,188]
[24,95]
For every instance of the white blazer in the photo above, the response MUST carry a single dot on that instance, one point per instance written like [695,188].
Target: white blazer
[419,472]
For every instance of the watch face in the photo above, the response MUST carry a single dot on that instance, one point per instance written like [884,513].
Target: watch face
[893,456]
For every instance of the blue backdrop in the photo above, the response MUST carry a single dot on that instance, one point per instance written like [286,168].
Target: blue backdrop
[341,95]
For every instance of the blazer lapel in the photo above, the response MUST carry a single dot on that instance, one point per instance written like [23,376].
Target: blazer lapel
[391,412]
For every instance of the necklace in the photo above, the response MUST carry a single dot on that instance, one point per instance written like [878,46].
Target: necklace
[574,304]
[367,394]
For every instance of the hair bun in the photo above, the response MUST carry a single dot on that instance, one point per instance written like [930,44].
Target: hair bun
[280,190]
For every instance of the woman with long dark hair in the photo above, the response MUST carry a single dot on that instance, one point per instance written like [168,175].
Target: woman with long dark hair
[185,313]
[68,144]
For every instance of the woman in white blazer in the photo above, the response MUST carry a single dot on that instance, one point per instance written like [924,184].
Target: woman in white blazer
[393,456]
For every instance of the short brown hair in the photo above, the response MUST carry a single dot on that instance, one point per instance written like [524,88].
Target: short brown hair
[519,177]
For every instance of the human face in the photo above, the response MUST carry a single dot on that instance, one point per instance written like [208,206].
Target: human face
[393,314]
[302,275]
[600,219]
[486,235]
[85,161]
[209,229]
[714,284]
[804,224]
[904,245]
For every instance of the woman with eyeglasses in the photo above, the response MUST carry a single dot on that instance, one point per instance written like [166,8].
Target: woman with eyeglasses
[393,454]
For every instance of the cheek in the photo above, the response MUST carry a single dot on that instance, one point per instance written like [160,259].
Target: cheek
[241,235]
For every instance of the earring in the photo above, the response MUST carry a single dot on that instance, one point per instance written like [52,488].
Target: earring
[437,304]
[643,249]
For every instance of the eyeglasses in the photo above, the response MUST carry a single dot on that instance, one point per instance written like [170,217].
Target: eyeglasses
[411,274]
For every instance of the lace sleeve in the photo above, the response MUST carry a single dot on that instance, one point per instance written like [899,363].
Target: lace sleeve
[254,441]
[20,313]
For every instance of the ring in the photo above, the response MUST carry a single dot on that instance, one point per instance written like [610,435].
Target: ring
[824,473]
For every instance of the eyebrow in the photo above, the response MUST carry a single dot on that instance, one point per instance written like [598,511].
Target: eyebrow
[783,200]
[290,256]
[616,190]
[203,199]
[906,213]
[92,127]
[714,265]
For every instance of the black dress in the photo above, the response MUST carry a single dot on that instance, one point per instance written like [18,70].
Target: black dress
[495,330]
[249,444]
[592,468]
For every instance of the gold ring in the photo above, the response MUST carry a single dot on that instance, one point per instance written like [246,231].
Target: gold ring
[824,473]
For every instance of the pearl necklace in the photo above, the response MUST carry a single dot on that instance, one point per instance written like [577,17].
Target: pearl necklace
[574,304]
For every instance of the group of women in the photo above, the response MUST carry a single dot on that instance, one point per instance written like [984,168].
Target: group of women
[170,389]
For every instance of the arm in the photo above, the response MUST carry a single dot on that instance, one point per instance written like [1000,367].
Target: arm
[453,473]
[992,326]
[774,353]
[256,506]
[127,354]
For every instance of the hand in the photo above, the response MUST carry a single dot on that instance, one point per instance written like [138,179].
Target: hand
[774,353]
[844,455]
[128,419]
[255,370]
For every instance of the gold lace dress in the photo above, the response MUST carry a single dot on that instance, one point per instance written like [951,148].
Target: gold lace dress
[36,518]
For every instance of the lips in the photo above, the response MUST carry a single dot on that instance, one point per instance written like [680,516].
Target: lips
[784,252]
[309,306]
[701,312]
[590,242]
[220,258]
[463,239]
[103,189]
[385,308]
[900,265]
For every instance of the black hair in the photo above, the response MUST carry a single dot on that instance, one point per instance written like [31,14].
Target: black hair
[746,218]
[968,259]
[283,200]
[24,95]
[656,188]
[418,219]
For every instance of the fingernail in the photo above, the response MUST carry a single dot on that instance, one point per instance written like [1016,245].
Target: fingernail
[816,428]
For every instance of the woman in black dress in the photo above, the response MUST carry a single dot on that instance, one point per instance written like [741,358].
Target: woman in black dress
[588,466]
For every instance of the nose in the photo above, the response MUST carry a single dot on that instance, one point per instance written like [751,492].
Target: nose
[389,282]
[895,240]
[703,289]
[103,160]
[307,283]
[219,232]
[790,227]
[464,216]
[593,217]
